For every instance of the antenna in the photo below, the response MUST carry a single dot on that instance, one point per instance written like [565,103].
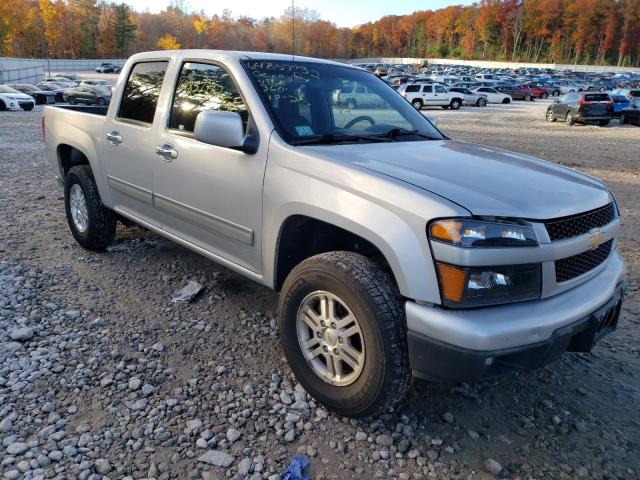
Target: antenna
[293,30]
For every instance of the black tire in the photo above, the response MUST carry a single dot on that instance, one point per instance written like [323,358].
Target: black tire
[549,116]
[545,95]
[603,123]
[623,119]
[506,101]
[556,93]
[352,104]
[444,107]
[417,103]
[3,107]
[372,296]
[101,227]
[455,104]
[482,102]
[570,119]
[102,102]
[528,98]
[71,101]
[28,109]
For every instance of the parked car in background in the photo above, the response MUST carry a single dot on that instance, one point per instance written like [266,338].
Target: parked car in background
[66,83]
[516,92]
[55,88]
[89,94]
[97,82]
[70,76]
[40,96]
[470,98]
[535,89]
[12,99]
[630,116]
[632,94]
[354,95]
[108,68]
[602,84]
[493,95]
[431,95]
[620,102]
[582,108]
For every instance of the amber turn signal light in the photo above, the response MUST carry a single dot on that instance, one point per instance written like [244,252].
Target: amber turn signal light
[452,281]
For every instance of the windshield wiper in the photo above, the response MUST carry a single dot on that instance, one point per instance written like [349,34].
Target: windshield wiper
[397,132]
[330,138]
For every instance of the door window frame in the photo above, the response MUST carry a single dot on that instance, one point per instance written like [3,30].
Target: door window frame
[138,123]
[183,62]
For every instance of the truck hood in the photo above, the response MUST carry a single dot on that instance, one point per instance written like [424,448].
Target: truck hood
[484,180]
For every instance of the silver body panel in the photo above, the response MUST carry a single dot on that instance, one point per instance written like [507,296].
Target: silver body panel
[230,206]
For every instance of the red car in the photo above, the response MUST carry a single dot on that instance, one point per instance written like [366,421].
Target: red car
[535,92]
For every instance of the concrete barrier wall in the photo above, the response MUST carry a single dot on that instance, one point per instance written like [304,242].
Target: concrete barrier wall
[33,74]
[54,65]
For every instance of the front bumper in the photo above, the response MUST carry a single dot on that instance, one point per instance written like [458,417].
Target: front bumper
[434,360]
[468,345]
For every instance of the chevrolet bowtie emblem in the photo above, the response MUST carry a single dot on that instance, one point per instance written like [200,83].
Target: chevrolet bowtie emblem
[595,240]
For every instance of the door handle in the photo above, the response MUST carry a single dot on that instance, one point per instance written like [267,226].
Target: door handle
[167,152]
[114,138]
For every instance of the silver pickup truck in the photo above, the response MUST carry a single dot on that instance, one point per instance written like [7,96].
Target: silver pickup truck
[396,250]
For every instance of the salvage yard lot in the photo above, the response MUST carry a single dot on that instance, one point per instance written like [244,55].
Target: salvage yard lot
[115,379]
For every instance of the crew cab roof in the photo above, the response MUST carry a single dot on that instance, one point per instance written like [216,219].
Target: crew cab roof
[229,55]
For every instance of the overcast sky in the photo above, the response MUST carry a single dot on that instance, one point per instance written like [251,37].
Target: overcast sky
[344,13]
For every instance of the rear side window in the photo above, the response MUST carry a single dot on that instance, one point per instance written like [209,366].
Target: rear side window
[140,96]
[204,87]
[427,88]
[412,88]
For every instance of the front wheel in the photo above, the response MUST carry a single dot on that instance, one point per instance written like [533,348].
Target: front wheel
[550,117]
[623,119]
[528,98]
[482,102]
[102,102]
[91,223]
[545,95]
[603,123]
[506,101]
[343,331]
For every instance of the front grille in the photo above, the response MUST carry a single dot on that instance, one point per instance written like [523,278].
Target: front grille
[572,267]
[580,224]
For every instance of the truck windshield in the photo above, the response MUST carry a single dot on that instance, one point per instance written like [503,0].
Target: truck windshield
[321,103]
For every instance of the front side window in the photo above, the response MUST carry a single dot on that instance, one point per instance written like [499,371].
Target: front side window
[141,92]
[312,102]
[204,87]
[440,89]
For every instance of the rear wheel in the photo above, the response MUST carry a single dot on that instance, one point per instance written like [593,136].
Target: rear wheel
[417,103]
[550,117]
[71,101]
[527,98]
[623,119]
[455,104]
[342,328]
[102,102]
[545,95]
[91,223]
[556,93]
[603,123]
[570,119]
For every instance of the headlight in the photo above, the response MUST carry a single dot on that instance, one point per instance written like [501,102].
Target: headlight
[482,286]
[478,233]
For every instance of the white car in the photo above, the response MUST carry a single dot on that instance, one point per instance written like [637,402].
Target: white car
[430,95]
[12,99]
[493,95]
[96,82]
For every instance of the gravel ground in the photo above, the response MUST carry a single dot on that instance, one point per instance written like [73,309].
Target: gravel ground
[101,376]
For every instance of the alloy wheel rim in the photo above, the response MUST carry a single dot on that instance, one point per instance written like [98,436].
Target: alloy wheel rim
[330,338]
[78,207]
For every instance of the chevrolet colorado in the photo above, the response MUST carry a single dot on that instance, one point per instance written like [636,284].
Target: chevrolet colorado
[396,250]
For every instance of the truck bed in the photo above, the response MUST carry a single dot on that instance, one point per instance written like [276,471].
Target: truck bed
[93,109]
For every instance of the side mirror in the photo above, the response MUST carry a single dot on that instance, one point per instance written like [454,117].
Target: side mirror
[223,129]
[433,120]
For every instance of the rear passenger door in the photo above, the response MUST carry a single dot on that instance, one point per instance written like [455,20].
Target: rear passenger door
[440,94]
[129,140]
[427,95]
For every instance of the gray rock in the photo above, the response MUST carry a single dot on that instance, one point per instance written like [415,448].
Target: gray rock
[134,383]
[492,466]
[17,448]
[233,435]
[384,440]
[22,334]
[245,466]
[102,466]
[361,436]
[216,458]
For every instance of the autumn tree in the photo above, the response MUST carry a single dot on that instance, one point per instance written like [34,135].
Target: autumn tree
[168,42]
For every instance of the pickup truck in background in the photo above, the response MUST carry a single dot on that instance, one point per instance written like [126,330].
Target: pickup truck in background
[396,250]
